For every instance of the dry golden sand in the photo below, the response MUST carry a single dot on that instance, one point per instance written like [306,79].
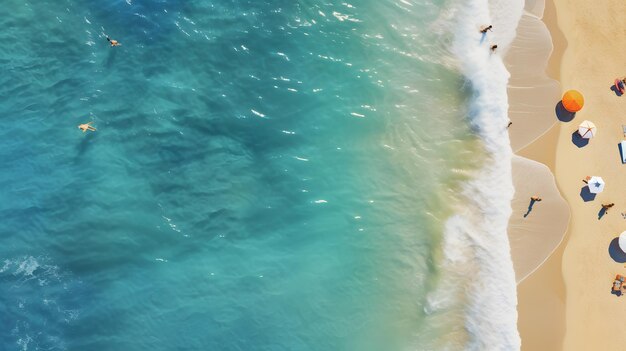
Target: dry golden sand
[566,303]
[594,57]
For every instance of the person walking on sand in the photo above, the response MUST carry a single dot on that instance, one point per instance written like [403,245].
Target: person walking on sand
[86,126]
[493,47]
[607,206]
[533,199]
[113,42]
[509,124]
[484,29]
[622,84]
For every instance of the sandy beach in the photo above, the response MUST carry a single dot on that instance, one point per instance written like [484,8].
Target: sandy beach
[566,302]
[534,62]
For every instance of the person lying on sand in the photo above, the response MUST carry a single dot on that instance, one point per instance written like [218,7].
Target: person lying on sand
[86,126]
[113,42]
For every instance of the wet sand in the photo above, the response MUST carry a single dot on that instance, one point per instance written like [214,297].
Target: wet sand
[537,240]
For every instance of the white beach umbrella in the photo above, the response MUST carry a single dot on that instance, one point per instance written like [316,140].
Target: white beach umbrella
[587,130]
[622,241]
[596,185]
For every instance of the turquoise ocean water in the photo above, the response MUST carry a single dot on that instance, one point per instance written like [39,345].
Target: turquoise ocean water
[266,175]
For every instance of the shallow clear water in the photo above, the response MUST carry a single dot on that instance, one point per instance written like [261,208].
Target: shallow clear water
[266,175]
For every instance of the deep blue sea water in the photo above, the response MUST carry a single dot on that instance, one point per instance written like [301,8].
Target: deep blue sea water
[265,175]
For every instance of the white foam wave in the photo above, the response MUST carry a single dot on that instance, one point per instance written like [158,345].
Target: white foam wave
[36,292]
[257,113]
[27,266]
[476,246]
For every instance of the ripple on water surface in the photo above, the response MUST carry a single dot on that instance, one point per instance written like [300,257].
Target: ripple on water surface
[265,175]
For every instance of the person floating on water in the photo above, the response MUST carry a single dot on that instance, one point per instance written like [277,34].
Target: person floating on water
[493,48]
[86,126]
[113,42]
[484,29]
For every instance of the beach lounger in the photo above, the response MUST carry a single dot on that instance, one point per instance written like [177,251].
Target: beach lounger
[624,129]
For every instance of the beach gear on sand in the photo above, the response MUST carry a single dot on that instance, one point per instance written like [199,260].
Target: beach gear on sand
[573,100]
[587,129]
[596,184]
[622,146]
[618,283]
[619,85]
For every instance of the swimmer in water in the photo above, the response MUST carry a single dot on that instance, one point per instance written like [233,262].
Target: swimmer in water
[113,42]
[484,29]
[86,126]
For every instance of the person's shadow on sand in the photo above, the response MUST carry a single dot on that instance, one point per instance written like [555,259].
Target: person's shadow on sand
[616,91]
[601,213]
[530,207]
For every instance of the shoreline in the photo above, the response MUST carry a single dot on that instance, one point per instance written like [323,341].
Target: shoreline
[537,241]
[532,96]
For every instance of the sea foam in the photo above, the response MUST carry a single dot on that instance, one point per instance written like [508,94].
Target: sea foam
[475,246]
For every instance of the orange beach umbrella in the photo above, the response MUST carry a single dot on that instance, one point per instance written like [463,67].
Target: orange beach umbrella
[573,100]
